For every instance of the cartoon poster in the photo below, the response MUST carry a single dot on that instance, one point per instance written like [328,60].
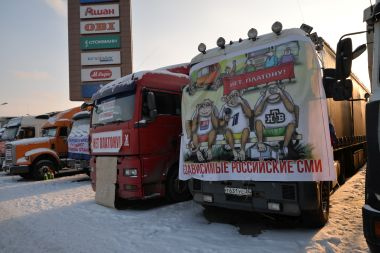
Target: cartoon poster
[258,114]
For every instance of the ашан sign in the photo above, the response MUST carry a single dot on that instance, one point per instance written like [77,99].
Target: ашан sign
[99,11]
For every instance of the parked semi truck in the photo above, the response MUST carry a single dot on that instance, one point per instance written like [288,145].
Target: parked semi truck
[33,158]
[21,128]
[135,137]
[267,132]
[78,142]
[371,208]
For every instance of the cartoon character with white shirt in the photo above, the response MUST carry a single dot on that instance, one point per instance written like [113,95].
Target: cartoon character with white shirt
[234,118]
[203,128]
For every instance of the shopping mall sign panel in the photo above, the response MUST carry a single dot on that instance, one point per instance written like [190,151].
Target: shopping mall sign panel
[100,42]
[100,74]
[95,1]
[99,11]
[100,26]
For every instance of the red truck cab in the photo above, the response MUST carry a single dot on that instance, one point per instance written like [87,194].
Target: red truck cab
[136,121]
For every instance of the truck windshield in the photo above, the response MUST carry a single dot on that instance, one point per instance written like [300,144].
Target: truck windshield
[115,109]
[49,132]
[9,133]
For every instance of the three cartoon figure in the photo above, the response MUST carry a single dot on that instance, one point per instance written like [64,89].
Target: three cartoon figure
[274,114]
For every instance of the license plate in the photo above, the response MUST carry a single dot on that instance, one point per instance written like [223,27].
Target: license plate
[238,191]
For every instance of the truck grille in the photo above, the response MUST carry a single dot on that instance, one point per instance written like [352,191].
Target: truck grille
[288,192]
[8,153]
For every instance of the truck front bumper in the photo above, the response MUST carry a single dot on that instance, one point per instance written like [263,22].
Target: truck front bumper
[288,198]
[16,170]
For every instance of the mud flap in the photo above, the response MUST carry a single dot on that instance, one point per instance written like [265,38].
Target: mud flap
[106,176]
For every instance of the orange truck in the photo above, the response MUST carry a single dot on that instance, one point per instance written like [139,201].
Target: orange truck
[35,157]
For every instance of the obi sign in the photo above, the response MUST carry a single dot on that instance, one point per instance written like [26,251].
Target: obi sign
[99,11]
[257,114]
[99,74]
[101,26]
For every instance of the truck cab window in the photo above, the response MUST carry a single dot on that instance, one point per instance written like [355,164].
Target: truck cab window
[167,103]
[29,132]
[63,132]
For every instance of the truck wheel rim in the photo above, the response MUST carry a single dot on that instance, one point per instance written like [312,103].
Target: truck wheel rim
[45,169]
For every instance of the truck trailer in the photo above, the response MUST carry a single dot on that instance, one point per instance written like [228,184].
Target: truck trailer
[135,137]
[265,133]
[371,208]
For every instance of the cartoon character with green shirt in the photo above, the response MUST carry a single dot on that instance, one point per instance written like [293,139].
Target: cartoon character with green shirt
[275,114]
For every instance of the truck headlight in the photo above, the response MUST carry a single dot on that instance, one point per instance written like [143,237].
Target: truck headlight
[130,172]
[26,158]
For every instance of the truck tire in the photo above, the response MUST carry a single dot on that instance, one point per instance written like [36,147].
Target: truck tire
[318,218]
[41,167]
[176,190]
[26,176]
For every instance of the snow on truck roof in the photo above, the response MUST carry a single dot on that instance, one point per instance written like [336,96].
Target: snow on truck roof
[60,117]
[81,115]
[126,83]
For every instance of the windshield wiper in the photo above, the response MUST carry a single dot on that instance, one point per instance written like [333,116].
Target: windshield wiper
[115,121]
[97,124]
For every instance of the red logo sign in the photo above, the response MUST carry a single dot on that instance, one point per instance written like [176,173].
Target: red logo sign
[101,74]
[262,76]
[109,26]
[98,12]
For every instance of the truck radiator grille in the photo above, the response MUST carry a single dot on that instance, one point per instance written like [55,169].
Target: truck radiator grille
[244,199]
[8,153]
[288,192]
[196,184]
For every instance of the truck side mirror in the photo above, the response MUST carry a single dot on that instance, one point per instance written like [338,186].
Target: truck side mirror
[151,99]
[358,51]
[329,80]
[343,58]
[339,90]
[342,90]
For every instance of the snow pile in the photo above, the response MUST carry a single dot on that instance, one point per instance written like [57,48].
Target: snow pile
[131,78]
[61,215]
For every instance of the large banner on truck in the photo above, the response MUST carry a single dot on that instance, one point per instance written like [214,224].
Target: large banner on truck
[257,114]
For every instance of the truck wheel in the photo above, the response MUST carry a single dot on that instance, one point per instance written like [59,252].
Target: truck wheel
[176,190]
[42,167]
[317,218]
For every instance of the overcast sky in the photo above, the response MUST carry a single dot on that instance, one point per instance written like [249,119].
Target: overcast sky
[34,46]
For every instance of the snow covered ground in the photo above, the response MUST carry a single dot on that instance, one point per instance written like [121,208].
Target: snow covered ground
[61,215]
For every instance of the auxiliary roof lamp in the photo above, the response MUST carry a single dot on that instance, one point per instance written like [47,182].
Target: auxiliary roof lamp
[277,28]
[252,34]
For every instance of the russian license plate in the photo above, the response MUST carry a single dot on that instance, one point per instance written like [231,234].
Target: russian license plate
[237,191]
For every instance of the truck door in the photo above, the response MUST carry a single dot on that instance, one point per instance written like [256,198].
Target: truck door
[159,139]
[61,143]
